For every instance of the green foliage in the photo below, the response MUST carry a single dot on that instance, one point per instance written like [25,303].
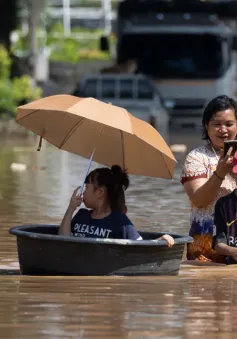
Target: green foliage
[21,44]
[65,50]
[14,91]
[7,104]
[71,49]
[22,90]
[5,63]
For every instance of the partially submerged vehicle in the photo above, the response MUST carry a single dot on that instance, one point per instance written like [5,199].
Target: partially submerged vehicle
[42,252]
[134,92]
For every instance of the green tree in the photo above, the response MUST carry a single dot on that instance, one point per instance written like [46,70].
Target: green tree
[15,91]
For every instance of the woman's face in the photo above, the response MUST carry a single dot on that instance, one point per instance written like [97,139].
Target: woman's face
[222,126]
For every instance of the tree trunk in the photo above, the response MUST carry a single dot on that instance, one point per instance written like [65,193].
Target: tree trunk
[35,8]
[8,20]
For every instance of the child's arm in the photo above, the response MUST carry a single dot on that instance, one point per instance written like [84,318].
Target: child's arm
[168,238]
[226,250]
[75,202]
[129,231]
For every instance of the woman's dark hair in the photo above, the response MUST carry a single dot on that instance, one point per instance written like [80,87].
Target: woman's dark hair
[116,182]
[220,103]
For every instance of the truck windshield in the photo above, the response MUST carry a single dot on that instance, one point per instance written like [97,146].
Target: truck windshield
[167,56]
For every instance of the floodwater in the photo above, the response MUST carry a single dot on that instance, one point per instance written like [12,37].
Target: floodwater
[199,303]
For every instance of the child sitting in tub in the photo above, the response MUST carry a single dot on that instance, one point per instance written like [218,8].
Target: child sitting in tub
[225,229]
[106,214]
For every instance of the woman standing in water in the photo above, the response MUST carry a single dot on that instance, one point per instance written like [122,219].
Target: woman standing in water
[207,175]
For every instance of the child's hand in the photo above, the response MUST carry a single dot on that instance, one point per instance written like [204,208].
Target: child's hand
[168,238]
[234,255]
[76,200]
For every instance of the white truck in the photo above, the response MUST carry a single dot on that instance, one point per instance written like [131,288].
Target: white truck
[186,47]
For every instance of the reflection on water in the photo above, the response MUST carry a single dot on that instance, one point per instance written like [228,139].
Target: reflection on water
[200,302]
[61,307]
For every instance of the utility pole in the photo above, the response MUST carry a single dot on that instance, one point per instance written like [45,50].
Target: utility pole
[34,12]
[67,17]
[107,13]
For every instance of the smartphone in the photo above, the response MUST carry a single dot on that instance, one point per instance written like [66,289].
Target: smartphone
[228,144]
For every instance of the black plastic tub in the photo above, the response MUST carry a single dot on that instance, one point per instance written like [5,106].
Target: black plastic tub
[42,252]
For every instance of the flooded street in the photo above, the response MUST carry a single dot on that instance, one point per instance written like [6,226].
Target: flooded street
[200,303]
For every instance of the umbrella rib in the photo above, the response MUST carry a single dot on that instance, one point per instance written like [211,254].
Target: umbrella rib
[166,165]
[122,138]
[26,116]
[162,157]
[71,131]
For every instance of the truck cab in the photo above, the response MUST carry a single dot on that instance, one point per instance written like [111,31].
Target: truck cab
[187,48]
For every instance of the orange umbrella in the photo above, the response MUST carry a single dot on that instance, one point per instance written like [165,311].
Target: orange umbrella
[84,125]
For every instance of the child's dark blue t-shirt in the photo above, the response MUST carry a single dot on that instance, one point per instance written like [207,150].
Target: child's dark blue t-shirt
[225,220]
[225,223]
[116,226]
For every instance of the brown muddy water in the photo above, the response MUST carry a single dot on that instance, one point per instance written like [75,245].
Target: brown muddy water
[199,303]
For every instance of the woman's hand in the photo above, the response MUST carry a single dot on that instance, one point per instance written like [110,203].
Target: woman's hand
[168,238]
[225,164]
[76,200]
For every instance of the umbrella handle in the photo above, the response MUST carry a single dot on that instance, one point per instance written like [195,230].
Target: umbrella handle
[40,144]
[87,171]
[89,165]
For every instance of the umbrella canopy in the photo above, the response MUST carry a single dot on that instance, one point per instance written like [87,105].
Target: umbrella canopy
[81,125]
